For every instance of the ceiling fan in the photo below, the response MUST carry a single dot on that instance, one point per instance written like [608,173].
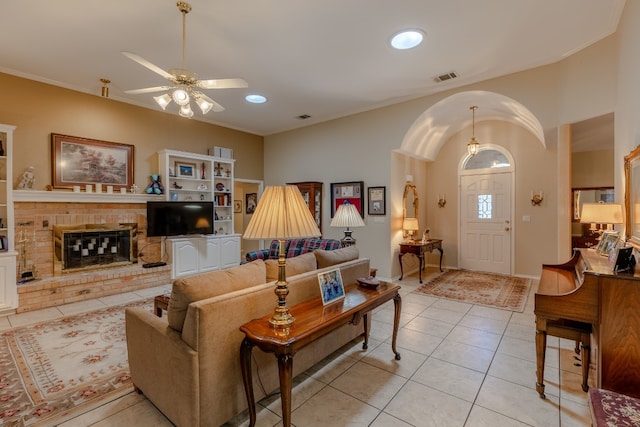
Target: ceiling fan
[184,83]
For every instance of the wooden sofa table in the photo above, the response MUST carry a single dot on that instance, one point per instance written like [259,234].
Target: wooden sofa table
[312,321]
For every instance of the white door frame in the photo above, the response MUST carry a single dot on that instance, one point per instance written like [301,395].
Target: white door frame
[512,170]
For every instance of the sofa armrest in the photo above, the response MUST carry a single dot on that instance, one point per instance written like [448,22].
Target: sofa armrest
[259,254]
[163,366]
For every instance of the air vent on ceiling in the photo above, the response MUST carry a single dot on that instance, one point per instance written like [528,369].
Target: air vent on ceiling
[445,77]
[303,116]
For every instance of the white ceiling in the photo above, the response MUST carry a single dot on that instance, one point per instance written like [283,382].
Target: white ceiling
[327,59]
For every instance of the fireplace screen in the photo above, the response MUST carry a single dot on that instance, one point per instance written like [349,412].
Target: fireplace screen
[93,246]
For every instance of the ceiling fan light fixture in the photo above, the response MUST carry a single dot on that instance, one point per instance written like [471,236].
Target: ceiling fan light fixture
[163,100]
[204,105]
[186,111]
[180,96]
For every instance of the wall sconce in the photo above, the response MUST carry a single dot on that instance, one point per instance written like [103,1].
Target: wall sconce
[442,200]
[105,88]
[537,198]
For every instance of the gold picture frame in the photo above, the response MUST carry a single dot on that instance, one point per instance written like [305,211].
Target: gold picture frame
[81,161]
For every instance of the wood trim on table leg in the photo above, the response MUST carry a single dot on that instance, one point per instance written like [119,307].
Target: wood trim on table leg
[367,329]
[400,261]
[397,308]
[541,348]
[285,371]
[441,253]
[245,365]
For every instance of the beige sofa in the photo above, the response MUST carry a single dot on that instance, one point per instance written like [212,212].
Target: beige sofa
[187,363]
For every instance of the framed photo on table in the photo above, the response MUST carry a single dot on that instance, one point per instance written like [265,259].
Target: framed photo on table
[81,161]
[347,191]
[331,286]
[608,243]
[377,200]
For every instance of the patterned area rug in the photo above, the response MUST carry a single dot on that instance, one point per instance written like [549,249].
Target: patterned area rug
[493,290]
[56,370]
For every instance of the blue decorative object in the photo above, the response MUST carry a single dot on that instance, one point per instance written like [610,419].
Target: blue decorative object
[156,186]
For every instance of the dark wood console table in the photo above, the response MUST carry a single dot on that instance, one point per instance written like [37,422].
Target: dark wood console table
[418,249]
[313,320]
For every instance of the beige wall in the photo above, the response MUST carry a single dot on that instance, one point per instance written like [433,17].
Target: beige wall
[39,109]
[359,147]
[593,169]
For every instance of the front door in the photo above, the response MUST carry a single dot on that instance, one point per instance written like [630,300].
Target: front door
[485,229]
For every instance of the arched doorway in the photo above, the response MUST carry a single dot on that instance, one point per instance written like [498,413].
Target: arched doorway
[486,210]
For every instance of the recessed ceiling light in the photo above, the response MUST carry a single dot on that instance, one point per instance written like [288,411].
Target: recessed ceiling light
[255,99]
[407,39]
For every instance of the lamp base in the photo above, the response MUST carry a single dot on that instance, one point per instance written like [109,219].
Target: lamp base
[347,240]
[282,318]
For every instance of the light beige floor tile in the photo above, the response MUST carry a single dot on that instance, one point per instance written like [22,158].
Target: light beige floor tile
[264,417]
[379,330]
[571,387]
[141,415]
[442,314]
[526,319]
[523,372]
[354,348]
[430,326]
[482,417]
[490,313]
[81,307]
[573,414]
[484,323]
[423,406]
[118,299]
[106,410]
[524,349]
[369,384]
[522,332]
[4,323]
[330,367]
[152,292]
[419,300]
[475,337]
[464,355]
[386,420]
[383,358]
[331,407]
[449,378]
[518,402]
[446,304]
[410,307]
[303,389]
[31,317]
[387,315]
[417,341]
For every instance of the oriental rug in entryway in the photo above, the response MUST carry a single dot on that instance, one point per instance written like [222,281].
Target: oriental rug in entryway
[493,290]
[56,370]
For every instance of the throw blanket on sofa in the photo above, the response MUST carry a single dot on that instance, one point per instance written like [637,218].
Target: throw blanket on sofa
[294,247]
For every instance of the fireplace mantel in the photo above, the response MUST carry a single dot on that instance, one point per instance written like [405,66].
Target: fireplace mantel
[71,197]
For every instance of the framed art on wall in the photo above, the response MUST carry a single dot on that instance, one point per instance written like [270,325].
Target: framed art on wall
[251,202]
[347,191]
[79,161]
[377,200]
[237,206]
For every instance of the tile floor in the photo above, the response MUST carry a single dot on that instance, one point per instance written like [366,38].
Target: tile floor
[462,365]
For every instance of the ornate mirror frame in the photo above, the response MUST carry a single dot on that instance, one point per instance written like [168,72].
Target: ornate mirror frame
[409,191]
[632,196]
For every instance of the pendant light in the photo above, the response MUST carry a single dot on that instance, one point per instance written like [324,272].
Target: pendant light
[473,146]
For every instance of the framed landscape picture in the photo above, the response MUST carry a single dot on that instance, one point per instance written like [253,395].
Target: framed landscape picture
[80,161]
[185,170]
[347,191]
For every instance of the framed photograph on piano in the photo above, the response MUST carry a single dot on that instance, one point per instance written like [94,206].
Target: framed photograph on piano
[624,261]
[608,242]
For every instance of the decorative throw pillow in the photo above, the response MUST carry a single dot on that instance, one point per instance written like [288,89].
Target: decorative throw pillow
[206,285]
[329,258]
[296,265]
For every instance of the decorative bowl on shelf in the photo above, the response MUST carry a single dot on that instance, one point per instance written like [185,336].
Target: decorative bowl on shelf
[368,282]
[220,186]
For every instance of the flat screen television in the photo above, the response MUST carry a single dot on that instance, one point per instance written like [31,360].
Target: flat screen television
[179,218]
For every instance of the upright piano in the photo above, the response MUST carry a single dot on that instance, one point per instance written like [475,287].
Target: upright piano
[586,290]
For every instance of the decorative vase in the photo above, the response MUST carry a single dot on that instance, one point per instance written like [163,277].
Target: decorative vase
[155,187]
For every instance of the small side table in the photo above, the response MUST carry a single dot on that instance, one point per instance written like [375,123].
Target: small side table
[161,302]
[418,249]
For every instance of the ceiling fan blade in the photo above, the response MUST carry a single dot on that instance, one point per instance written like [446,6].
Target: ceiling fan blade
[140,60]
[222,84]
[147,90]
[216,107]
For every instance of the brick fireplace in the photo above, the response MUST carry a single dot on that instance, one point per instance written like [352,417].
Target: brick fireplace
[37,213]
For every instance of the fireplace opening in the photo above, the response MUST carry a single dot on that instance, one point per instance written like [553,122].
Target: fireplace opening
[90,246]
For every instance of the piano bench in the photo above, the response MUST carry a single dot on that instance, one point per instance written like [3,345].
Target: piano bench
[609,408]
[579,332]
